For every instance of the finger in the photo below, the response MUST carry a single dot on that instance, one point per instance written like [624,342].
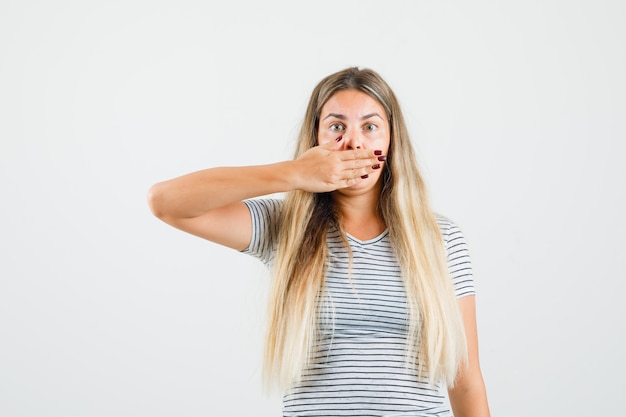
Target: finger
[362,154]
[366,168]
[364,165]
[362,171]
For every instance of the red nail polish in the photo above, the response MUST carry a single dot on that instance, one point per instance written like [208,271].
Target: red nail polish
[364,176]
[378,153]
[377,166]
[382,158]
[339,138]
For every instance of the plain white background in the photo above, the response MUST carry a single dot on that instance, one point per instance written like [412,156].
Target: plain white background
[517,113]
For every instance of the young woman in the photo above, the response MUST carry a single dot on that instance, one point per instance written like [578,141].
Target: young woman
[372,307]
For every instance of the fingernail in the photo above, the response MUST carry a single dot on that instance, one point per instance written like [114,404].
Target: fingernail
[339,138]
[382,158]
[377,166]
[378,153]
[364,176]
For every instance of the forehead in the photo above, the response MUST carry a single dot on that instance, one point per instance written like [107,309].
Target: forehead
[352,103]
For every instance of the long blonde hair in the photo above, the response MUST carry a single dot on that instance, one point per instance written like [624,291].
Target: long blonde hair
[436,337]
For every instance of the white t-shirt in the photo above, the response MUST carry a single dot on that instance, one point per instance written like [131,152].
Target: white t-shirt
[359,365]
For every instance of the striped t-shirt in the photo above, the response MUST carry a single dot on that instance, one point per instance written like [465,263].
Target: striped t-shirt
[358,368]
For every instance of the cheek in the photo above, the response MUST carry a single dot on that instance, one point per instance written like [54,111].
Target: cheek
[383,142]
[322,140]
[326,138]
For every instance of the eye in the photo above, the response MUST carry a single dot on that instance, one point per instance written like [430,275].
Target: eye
[370,127]
[337,127]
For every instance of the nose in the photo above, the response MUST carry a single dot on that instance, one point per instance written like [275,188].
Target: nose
[352,140]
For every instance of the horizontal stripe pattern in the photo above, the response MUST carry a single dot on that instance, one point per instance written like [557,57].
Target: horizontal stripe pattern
[358,367]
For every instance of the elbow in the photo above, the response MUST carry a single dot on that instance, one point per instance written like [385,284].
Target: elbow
[156,200]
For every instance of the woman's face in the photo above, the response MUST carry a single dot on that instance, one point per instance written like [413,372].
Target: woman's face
[360,120]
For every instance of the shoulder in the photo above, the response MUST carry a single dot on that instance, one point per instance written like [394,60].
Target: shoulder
[265,216]
[445,223]
[264,209]
[447,226]
[459,262]
[274,204]
[451,233]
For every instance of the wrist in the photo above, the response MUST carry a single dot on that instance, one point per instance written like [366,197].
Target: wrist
[286,175]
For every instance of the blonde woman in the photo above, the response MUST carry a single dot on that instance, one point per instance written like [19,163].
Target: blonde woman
[372,306]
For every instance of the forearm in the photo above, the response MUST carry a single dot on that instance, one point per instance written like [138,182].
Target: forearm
[469,396]
[469,399]
[194,194]
[320,169]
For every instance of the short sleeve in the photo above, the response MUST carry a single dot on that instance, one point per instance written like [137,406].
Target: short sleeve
[265,215]
[459,263]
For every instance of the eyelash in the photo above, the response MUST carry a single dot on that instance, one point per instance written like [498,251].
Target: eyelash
[335,127]
[372,126]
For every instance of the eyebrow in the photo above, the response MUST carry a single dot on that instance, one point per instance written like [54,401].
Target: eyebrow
[342,117]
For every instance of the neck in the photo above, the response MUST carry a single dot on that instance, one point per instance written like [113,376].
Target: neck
[359,214]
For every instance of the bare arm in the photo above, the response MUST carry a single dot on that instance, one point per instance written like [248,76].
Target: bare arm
[208,203]
[469,396]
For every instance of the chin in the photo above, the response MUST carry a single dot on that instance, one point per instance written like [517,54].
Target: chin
[361,187]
